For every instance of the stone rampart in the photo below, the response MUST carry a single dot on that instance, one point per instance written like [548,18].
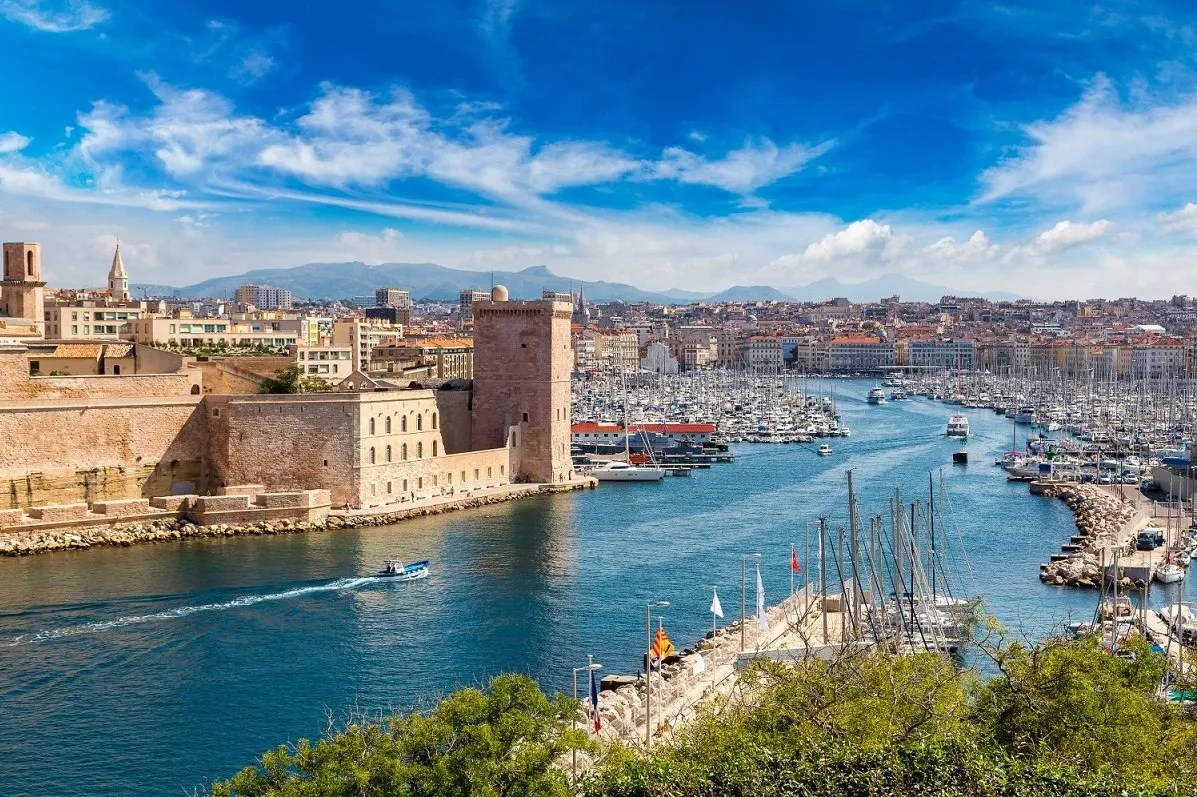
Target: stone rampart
[67,451]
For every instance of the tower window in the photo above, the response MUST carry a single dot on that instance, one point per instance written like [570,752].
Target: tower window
[525,417]
[29,262]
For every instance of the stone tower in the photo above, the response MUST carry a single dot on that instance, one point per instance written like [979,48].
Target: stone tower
[118,280]
[21,290]
[522,363]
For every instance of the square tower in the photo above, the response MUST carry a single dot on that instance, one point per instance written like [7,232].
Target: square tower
[522,365]
[22,287]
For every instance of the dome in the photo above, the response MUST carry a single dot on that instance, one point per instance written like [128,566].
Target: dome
[498,293]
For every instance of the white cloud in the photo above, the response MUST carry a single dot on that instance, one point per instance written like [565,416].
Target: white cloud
[949,250]
[12,142]
[1067,234]
[1181,221]
[53,16]
[253,66]
[857,238]
[741,171]
[1103,154]
[386,246]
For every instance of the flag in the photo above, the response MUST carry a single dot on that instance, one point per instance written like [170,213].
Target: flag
[762,622]
[595,717]
[700,664]
[662,648]
[716,607]
[794,566]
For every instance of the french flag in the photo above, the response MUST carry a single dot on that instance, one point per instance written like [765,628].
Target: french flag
[594,712]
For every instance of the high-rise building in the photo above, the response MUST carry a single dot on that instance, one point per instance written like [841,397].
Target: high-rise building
[118,280]
[396,299]
[466,304]
[263,297]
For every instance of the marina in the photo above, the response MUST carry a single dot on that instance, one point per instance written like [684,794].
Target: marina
[109,641]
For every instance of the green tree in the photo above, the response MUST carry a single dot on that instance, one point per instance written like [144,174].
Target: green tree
[501,742]
[285,380]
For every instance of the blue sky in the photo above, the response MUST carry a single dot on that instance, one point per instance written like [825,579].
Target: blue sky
[1046,151]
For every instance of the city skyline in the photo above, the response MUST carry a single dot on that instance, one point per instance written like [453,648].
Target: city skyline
[982,146]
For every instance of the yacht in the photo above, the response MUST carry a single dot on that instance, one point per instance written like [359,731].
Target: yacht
[957,426]
[876,396]
[1025,415]
[824,450]
[898,394]
[616,471]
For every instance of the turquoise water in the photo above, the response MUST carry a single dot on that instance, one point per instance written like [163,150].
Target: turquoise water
[158,667]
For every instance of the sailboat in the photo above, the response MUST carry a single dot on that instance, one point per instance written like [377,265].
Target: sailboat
[625,471]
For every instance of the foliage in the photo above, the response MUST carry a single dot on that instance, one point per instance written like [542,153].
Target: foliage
[493,743]
[1061,718]
[292,380]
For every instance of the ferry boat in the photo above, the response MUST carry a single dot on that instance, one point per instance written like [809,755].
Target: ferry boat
[396,570]
[824,450]
[957,426]
[876,396]
[616,471]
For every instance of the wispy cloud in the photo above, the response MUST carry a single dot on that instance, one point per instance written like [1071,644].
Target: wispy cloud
[1067,234]
[50,16]
[1103,153]
[12,142]
[741,171]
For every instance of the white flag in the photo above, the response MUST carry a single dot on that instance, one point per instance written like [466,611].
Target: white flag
[700,664]
[762,621]
[716,608]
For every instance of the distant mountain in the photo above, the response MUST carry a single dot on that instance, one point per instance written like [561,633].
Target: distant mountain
[885,286]
[428,281]
[750,293]
[422,280]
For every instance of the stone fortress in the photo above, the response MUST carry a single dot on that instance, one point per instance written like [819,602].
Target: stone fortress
[80,448]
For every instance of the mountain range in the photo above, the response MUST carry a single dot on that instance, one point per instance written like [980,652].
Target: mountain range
[432,282]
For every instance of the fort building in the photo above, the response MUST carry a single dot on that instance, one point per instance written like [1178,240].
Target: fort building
[109,430]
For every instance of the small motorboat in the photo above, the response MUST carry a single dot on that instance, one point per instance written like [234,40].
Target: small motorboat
[824,450]
[393,568]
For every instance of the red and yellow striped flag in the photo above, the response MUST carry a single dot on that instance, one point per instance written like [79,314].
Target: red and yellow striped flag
[662,648]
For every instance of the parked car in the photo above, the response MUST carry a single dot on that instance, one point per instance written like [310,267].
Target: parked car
[1149,539]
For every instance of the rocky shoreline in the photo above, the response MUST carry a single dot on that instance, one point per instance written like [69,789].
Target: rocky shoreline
[1099,520]
[26,543]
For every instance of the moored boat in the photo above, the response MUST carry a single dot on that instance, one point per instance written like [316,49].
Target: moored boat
[616,471]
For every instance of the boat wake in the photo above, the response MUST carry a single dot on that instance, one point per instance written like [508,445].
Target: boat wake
[184,611]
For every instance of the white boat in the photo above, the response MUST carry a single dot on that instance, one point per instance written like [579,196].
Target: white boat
[616,471]
[1025,415]
[398,571]
[1169,573]
[957,426]
[876,396]
[824,450]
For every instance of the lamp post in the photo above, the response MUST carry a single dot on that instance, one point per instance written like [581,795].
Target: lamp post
[590,666]
[648,680]
[744,593]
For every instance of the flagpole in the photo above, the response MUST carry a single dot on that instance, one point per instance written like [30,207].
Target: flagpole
[793,553]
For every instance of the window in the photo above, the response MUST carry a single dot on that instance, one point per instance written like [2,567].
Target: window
[371,455]
[502,470]
[386,424]
[419,450]
[388,488]
[489,473]
[29,262]
[434,420]
[525,417]
[403,451]
[420,483]
[405,485]
[434,448]
[420,422]
[388,453]
[116,370]
[371,426]
[434,478]
[475,474]
[403,424]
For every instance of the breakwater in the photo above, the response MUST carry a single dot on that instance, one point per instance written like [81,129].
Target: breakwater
[25,543]
[1101,518]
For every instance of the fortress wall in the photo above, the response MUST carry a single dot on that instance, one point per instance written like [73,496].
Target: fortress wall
[67,451]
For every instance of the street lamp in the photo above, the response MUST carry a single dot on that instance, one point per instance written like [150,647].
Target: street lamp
[648,680]
[744,592]
[590,667]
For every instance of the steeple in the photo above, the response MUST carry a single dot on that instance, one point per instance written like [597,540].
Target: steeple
[118,280]
[581,310]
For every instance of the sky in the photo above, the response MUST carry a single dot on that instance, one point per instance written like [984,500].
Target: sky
[1047,149]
